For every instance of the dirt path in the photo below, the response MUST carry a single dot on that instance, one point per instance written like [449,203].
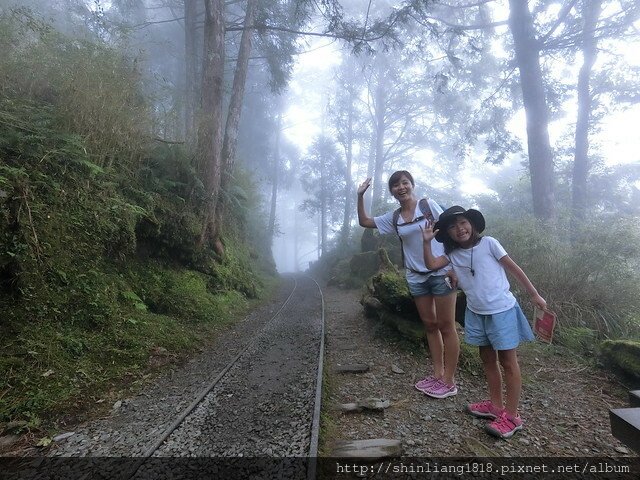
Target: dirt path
[565,404]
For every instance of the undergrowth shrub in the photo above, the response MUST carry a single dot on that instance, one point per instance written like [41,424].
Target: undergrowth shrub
[94,89]
[98,263]
[589,274]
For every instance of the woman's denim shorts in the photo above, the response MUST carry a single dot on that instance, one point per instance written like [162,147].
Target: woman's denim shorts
[433,285]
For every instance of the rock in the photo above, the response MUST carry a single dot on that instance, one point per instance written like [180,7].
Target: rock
[408,327]
[622,450]
[371,305]
[396,369]
[478,448]
[623,354]
[352,368]
[369,449]
[117,405]
[62,436]
[372,404]
[390,287]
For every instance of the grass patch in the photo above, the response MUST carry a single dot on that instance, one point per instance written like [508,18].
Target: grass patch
[327,425]
[60,365]
[469,359]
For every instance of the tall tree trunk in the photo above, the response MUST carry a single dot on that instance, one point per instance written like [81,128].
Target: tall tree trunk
[591,12]
[371,166]
[323,208]
[275,173]
[380,129]
[209,146]
[527,51]
[233,117]
[348,200]
[190,17]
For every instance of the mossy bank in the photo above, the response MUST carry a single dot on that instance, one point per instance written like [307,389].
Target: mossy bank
[100,264]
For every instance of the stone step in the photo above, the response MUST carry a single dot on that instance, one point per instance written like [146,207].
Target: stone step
[625,426]
[371,449]
[371,404]
[352,368]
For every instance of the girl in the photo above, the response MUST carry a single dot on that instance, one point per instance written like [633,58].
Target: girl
[493,319]
[434,298]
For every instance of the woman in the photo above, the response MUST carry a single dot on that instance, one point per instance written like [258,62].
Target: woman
[433,297]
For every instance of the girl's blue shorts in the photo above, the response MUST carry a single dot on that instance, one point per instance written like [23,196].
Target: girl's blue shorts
[501,331]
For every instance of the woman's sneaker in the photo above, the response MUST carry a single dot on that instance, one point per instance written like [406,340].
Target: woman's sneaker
[425,383]
[439,389]
[484,409]
[504,426]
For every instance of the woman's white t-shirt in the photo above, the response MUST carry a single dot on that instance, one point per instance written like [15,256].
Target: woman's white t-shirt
[412,241]
[488,290]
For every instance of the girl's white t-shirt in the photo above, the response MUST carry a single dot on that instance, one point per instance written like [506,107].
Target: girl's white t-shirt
[412,241]
[487,291]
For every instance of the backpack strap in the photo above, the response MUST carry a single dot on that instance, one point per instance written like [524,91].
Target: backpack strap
[396,216]
[423,204]
[426,209]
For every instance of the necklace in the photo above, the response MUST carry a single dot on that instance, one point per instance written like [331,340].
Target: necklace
[470,267]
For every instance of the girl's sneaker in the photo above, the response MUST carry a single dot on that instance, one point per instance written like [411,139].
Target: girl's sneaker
[504,426]
[484,409]
[425,383]
[439,389]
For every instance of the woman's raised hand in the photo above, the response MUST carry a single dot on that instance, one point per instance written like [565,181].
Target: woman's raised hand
[363,186]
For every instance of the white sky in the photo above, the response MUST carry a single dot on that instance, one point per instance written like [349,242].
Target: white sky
[619,137]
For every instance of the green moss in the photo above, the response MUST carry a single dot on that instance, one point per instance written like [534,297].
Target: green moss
[579,339]
[392,290]
[622,354]
[99,262]
[409,328]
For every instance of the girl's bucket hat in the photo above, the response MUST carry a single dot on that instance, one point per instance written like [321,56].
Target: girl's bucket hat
[449,215]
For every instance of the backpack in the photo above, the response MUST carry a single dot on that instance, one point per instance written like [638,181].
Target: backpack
[426,214]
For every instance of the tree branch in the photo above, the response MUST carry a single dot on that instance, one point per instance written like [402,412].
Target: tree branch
[561,17]
[468,5]
[477,26]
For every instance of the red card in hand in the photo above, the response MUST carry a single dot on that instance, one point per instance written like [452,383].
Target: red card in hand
[543,324]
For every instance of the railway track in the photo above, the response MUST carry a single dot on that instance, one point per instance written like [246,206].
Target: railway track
[258,415]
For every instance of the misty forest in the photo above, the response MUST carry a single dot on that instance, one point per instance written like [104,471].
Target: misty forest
[164,162]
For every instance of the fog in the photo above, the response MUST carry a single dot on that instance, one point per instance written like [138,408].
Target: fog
[339,92]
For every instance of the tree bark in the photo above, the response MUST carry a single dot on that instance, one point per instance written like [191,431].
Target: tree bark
[348,189]
[209,143]
[527,50]
[323,207]
[233,117]
[275,177]
[591,13]
[380,128]
[190,20]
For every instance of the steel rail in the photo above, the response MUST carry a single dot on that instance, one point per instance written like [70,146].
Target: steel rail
[315,423]
[203,393]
